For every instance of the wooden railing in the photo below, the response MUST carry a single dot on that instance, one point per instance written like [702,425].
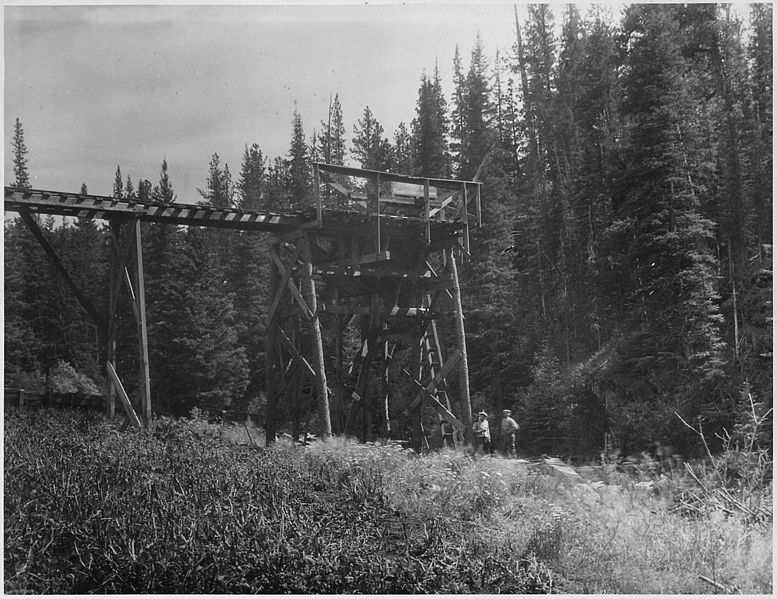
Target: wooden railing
[24,399]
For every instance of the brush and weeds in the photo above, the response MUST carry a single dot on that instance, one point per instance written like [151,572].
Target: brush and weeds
[186,507]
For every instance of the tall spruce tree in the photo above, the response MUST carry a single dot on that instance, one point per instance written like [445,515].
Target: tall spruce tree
[252,182]
[19,150]
[299,167]
[430,130]
[368,145]
[673,350]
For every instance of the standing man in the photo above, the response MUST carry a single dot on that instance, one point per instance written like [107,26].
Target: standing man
[509,431]
[482,433]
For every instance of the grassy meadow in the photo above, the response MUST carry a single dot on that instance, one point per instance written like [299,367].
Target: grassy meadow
[194,507]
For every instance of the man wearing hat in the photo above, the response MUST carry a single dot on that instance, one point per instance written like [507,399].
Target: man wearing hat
[509,429]
[482,433]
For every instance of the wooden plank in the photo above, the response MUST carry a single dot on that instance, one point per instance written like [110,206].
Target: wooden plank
[368,174]
[439,283]
[133,417]
[361,261]
[445,203]
[295,353]
[413,190]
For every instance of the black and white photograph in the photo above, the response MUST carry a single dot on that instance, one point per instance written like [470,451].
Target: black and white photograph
[388,297]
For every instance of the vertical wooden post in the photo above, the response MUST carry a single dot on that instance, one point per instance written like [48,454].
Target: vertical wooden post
[318,345]
[317,186]
[377,212]
[479,209]
[461,341]
[271,387]
[426,211]
[465,216]
[114,274]
[140,298]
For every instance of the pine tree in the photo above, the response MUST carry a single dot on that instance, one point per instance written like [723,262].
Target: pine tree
[118,184]
[129,189]
[299,167]
[430,130]
[251,185]
[21,174]
[163,192]
[218,192]
[458,111]
[402,160]
[675,337]
[368,145]
[476,136]
[331,140]
[145,190]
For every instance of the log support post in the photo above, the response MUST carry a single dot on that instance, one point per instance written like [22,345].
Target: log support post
[461,342]
[140,301]
[271,352]
[325,421]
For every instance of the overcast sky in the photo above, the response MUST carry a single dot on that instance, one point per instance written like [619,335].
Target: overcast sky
[101,86]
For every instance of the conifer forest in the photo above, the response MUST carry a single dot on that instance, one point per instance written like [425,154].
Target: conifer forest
[619,290]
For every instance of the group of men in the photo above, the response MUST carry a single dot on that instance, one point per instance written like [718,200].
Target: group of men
[508,432]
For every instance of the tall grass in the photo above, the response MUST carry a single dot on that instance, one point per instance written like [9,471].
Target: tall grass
[184,507]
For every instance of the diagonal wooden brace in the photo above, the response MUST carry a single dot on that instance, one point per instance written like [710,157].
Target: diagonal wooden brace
[292,287]
[286,274]
[298,357]
[452,362]
[425,393]
[133,417]
[82,299]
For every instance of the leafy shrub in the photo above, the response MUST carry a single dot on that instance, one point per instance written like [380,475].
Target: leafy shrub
[63,378]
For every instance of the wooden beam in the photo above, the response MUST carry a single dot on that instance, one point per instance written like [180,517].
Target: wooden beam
[82,299]
[271,362]
[439,283]
[277,265]
[325,418]
[300,359]
[317,186]
[446,369]
[145,381]
[133,417]
[292,287]
[369,174]
[356,261]
[461,341]
[441,409]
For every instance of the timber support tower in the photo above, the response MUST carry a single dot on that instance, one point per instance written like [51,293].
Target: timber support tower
[374,262]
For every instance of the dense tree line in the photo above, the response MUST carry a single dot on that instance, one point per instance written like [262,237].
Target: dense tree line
[622,275]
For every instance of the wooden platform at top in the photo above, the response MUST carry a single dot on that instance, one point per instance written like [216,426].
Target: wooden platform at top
[404,216]
[104,207]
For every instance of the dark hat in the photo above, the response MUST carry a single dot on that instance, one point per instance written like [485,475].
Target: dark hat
[482,413]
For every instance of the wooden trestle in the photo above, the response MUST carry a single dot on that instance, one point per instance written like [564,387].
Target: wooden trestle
[376,256]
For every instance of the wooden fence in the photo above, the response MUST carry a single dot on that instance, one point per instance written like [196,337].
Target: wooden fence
[24,399]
